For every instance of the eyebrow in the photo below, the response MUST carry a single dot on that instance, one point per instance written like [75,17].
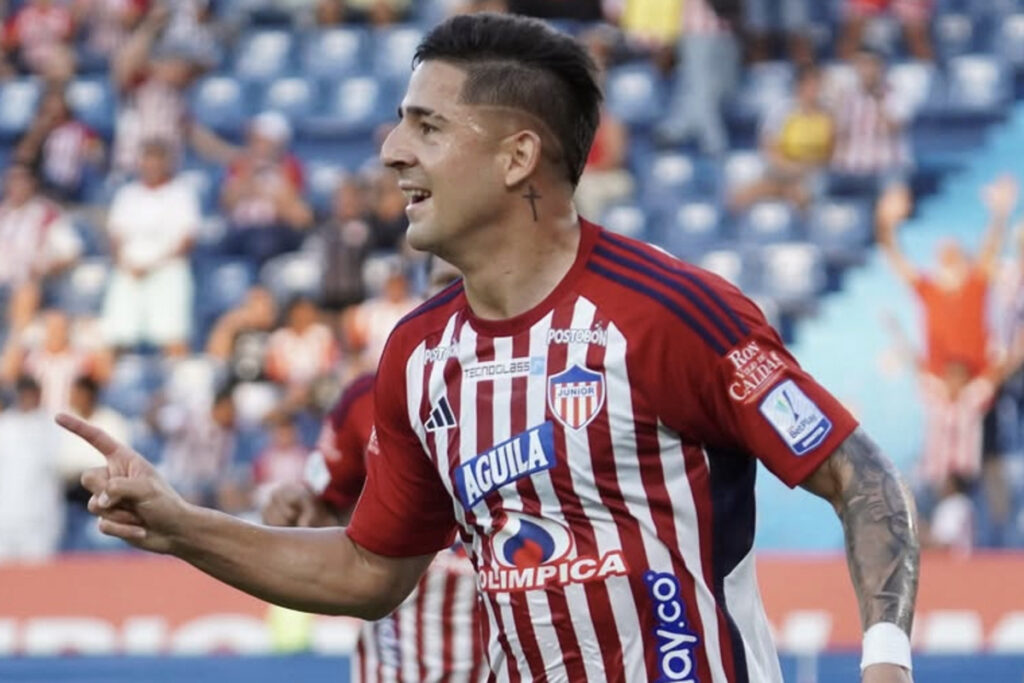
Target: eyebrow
[419,112]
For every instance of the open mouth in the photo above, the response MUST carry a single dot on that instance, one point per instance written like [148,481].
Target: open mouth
[416,196]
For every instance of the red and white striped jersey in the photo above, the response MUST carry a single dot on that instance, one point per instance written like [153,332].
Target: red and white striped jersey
[597,455]
[434,636]
[953,435]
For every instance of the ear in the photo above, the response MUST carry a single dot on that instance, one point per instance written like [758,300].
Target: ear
[522,156]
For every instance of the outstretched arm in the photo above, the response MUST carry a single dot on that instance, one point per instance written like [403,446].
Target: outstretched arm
[878,518]
[315,570]
[1001,198]
[893,208]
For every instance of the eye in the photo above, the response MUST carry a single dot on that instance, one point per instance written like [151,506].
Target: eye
[426,128]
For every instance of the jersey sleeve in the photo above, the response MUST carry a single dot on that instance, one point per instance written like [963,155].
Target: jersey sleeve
[404,509]
[337,468]
[755,397]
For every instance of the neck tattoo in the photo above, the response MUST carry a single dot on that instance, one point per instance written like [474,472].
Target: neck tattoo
[532,196]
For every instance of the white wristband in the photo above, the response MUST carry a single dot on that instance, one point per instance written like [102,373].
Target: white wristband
[885,643]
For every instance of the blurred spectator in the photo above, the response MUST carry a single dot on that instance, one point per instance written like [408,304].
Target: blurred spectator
[706,74]
[106,25]
[31,492]
[302,350]
[262,194]
[576,10]
[190,30]
[378,12]
[38,36]
[282,461]
[55,363]
[951,526]
[796,142]
[200,447]
[152,81]
[151,224]
[61,146]
[239,337]
[653,24]
[766,19]
[76,455]
[605,179]
[347,239]
[871,119]
[368,325]
[387,212]
[915,15]
[953,298]
[36,240]
[955,403]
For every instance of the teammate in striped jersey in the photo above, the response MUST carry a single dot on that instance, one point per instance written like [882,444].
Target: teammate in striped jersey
[583,410]
[434,635]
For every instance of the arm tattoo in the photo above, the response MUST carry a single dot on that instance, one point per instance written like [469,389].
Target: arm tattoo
[533,196]
[882,548]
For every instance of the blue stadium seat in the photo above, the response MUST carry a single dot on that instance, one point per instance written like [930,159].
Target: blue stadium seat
[92,101]
[219,103]
[322,179]
[19,98]
[293,96]
[80,291]
[669,178]
[264,55]
[693,228]
[1010,41]
[133,380]
[728,263]
[394,50]
[205,183]
[765,85]
[882,33]
[293,274]
[767,223]
[354,107]
[626,219]
[977,85]
[793,274]
[740,168]
[634,93]
[841,229]
[223,285]
[918,83]
[334,53]
[953,35]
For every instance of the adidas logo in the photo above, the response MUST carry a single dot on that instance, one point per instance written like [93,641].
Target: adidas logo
[441,417]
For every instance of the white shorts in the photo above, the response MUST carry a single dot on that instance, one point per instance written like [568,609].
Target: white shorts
[156,308]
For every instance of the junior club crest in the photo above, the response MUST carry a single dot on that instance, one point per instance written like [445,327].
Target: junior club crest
[575,396]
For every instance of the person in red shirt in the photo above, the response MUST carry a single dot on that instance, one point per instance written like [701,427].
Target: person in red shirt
[914,15]
[953,297]
[39,36]
[442,610]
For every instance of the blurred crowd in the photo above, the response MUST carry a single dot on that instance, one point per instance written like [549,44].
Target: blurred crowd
[212,327]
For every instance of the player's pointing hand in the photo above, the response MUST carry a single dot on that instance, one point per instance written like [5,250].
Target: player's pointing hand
[131,499]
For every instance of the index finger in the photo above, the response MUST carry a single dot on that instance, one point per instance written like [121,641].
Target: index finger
[99,439]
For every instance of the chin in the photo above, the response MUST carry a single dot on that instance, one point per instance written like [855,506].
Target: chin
[421,236]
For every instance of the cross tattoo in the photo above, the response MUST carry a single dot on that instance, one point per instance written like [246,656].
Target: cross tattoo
[533,197]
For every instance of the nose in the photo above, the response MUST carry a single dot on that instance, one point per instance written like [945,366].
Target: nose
[395,152]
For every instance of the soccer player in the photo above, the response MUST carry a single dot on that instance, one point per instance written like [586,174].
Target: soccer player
[584,410]
[434,635]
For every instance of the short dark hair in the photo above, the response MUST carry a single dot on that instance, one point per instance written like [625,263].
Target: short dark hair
[523,63]
[87,384]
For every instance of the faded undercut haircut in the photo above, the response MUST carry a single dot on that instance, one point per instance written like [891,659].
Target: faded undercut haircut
[522,63]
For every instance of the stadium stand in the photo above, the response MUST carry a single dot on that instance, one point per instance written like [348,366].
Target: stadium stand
[814,272]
